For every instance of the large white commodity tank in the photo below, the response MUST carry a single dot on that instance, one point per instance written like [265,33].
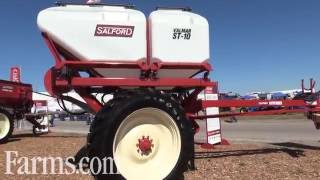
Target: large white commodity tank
[119,33]
[102,33]
[178,36]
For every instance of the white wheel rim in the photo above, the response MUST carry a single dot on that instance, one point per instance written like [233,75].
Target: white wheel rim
[4,125]
[166,140]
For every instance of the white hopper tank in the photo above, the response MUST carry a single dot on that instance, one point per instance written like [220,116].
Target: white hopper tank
[178,36]
[98,33]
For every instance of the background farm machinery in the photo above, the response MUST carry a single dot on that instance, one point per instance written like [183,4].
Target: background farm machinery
[16,104]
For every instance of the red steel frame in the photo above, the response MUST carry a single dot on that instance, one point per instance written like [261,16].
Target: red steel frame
[56,85]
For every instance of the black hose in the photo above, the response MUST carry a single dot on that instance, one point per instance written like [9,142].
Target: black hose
[64,107]
[102,98]
[62,104]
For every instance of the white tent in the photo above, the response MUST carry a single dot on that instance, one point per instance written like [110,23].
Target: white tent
[53,103]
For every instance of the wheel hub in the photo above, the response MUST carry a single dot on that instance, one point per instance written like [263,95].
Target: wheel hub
[145,145]
[155,139]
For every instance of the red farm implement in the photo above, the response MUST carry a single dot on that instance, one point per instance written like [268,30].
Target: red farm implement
[15,104]
[150,121]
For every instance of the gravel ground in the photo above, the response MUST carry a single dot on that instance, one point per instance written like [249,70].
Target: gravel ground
[237,161]
[257,161]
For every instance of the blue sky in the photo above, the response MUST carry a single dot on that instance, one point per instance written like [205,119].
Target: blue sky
[255,44]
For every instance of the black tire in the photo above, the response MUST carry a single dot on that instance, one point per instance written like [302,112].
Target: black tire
[35,132]
[243,110]
[107,121]
[317,125]
[11,122]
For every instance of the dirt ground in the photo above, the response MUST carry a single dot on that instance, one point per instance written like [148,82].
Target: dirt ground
[236,161]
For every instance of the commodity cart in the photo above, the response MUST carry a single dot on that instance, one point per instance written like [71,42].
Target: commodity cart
[154,68]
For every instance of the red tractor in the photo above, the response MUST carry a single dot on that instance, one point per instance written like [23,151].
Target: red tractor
[154,68]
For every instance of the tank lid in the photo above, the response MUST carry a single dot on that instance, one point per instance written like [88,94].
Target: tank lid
[128,6]
[174,8]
